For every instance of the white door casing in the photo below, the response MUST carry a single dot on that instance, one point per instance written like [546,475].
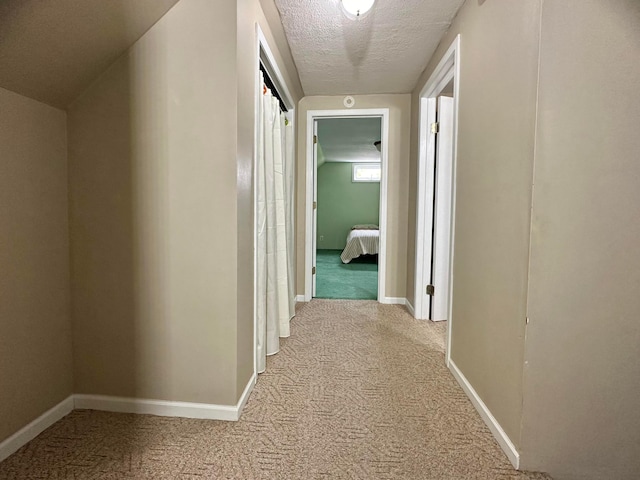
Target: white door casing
[265,57]
[311,193]
[314,238]
[448,70]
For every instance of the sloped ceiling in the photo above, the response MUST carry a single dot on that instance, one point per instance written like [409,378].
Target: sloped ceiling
[383,52]
[51,50]
[349,139]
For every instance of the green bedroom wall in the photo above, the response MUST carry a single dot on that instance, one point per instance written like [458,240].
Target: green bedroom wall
[342,204]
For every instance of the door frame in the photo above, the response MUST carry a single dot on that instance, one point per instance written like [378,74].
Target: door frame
[448,69]
[264,55]
[311,186]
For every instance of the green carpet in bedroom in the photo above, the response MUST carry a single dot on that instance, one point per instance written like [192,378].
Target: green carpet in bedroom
[357,280]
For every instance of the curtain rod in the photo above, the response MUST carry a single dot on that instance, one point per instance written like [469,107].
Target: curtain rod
[272,86]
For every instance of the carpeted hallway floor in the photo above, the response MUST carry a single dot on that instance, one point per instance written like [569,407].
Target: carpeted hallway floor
[356,280]
[359,391]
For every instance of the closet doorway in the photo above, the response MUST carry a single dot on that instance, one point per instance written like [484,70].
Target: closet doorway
[274,207]
[346,204]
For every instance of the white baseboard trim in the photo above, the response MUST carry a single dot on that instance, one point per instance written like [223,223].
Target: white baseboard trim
[35,428]
[300,298]
[124,405]
[393,300]
[500,435]
[165,408]
[409,306]
[246,394]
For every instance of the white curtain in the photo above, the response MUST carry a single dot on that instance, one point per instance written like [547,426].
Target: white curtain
[290,179]
[275,305]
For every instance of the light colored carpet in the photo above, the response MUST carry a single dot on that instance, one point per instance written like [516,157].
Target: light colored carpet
[359,391]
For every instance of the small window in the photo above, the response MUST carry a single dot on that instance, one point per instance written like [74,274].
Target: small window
[366,172]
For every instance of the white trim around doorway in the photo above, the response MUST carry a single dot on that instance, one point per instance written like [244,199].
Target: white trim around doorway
[448,69]
[265,56]
[312,115]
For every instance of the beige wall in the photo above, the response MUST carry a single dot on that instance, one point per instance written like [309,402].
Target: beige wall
[161,162]
[571,131]
[152,148]
[499,58]
[35,330]
[397,188]
[251,12]
[582,376]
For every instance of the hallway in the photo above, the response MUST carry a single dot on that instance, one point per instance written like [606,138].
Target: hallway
[358,391]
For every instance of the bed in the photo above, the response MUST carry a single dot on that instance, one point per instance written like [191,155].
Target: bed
[362,240]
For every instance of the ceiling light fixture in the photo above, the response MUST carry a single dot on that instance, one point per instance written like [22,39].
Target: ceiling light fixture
[357,8]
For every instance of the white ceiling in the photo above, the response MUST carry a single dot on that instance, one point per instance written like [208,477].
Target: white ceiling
[349,139]
[51,50]
[384,52]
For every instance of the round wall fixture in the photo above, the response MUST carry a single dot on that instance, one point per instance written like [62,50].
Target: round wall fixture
[349,101]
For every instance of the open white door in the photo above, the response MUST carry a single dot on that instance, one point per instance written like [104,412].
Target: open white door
[441,259]
[436,199]
[315,208]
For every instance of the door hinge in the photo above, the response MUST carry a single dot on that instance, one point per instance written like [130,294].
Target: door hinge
[315,205]
[431,290]
[435,127]
[315,139]
[313,271]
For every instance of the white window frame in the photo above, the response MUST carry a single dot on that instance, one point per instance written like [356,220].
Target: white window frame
[355,165]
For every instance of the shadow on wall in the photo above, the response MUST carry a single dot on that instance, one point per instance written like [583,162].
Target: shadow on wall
[106,238]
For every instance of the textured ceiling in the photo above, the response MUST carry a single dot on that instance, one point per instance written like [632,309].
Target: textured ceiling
[384,52]
[51,50]
[349,139]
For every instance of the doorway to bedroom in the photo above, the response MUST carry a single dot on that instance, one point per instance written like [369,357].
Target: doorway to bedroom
[346,203]
[348,172]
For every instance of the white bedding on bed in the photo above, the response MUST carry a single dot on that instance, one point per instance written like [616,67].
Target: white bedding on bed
[360,242]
